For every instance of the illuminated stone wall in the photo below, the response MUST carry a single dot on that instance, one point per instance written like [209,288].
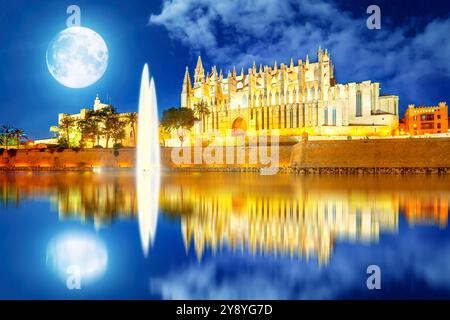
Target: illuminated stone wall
[122,158]
[380,153]
[68,158]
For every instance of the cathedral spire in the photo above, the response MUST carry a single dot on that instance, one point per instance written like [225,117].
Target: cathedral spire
[234,71]
[186,81]
[275,66]
[307,59]
[199,74]
[199,64]
[292,63]
[319,53]
[214,73]
[254,67]
[186,90]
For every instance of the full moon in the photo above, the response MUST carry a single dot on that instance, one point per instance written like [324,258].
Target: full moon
[77,252]
[77,57]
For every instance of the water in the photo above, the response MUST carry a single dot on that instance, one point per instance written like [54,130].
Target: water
[227,235]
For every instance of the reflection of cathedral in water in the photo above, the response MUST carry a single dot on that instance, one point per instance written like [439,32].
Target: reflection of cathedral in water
[296,216]
[303,218]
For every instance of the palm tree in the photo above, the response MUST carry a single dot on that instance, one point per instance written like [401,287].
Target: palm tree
[201,110]
[6,135]
[132,120]
[20,136]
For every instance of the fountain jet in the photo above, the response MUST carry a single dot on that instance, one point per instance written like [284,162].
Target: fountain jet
[147,161]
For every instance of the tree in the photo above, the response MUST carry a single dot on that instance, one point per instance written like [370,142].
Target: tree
[20,136]
[110,124]
[132,120]
[6,135]
[96,119]
[201,110]
[103,123]
[55,131]
[118,131]
[65,126]
[181,120]
[89,130]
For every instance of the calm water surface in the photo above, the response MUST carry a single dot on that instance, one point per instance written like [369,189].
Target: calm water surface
[224,235]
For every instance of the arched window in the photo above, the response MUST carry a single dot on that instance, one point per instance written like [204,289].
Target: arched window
[262,118]
[244,101]
[291,117]
[279,117]
[325,116]
[334,115]
[217,120]
[358,104]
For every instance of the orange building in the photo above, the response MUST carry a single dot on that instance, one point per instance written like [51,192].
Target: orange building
[424,120]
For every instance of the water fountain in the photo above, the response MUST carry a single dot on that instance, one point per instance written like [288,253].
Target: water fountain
[147,161]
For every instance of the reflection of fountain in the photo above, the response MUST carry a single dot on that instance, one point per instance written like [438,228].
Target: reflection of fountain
[148,161]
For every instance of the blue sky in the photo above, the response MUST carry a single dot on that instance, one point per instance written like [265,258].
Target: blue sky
[408,56]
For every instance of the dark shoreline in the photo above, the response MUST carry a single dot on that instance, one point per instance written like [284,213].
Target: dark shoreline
[289,170]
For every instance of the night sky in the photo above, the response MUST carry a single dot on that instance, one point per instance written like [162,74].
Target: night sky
[409,56]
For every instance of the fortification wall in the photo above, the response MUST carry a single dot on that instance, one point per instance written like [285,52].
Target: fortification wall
[68,159]
[379,153]
[125,158]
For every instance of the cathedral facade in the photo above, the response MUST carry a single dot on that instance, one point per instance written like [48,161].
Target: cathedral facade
[294,98]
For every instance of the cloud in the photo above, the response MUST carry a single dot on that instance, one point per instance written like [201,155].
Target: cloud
[238,32]
[407,261]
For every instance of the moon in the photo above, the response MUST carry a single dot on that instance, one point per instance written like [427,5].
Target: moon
[77,57]
[84,254]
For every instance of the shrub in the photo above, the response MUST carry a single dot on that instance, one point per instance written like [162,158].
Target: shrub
[98,147]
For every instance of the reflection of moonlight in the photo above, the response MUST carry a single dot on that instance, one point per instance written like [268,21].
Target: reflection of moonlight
[84,252]
[77,57]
